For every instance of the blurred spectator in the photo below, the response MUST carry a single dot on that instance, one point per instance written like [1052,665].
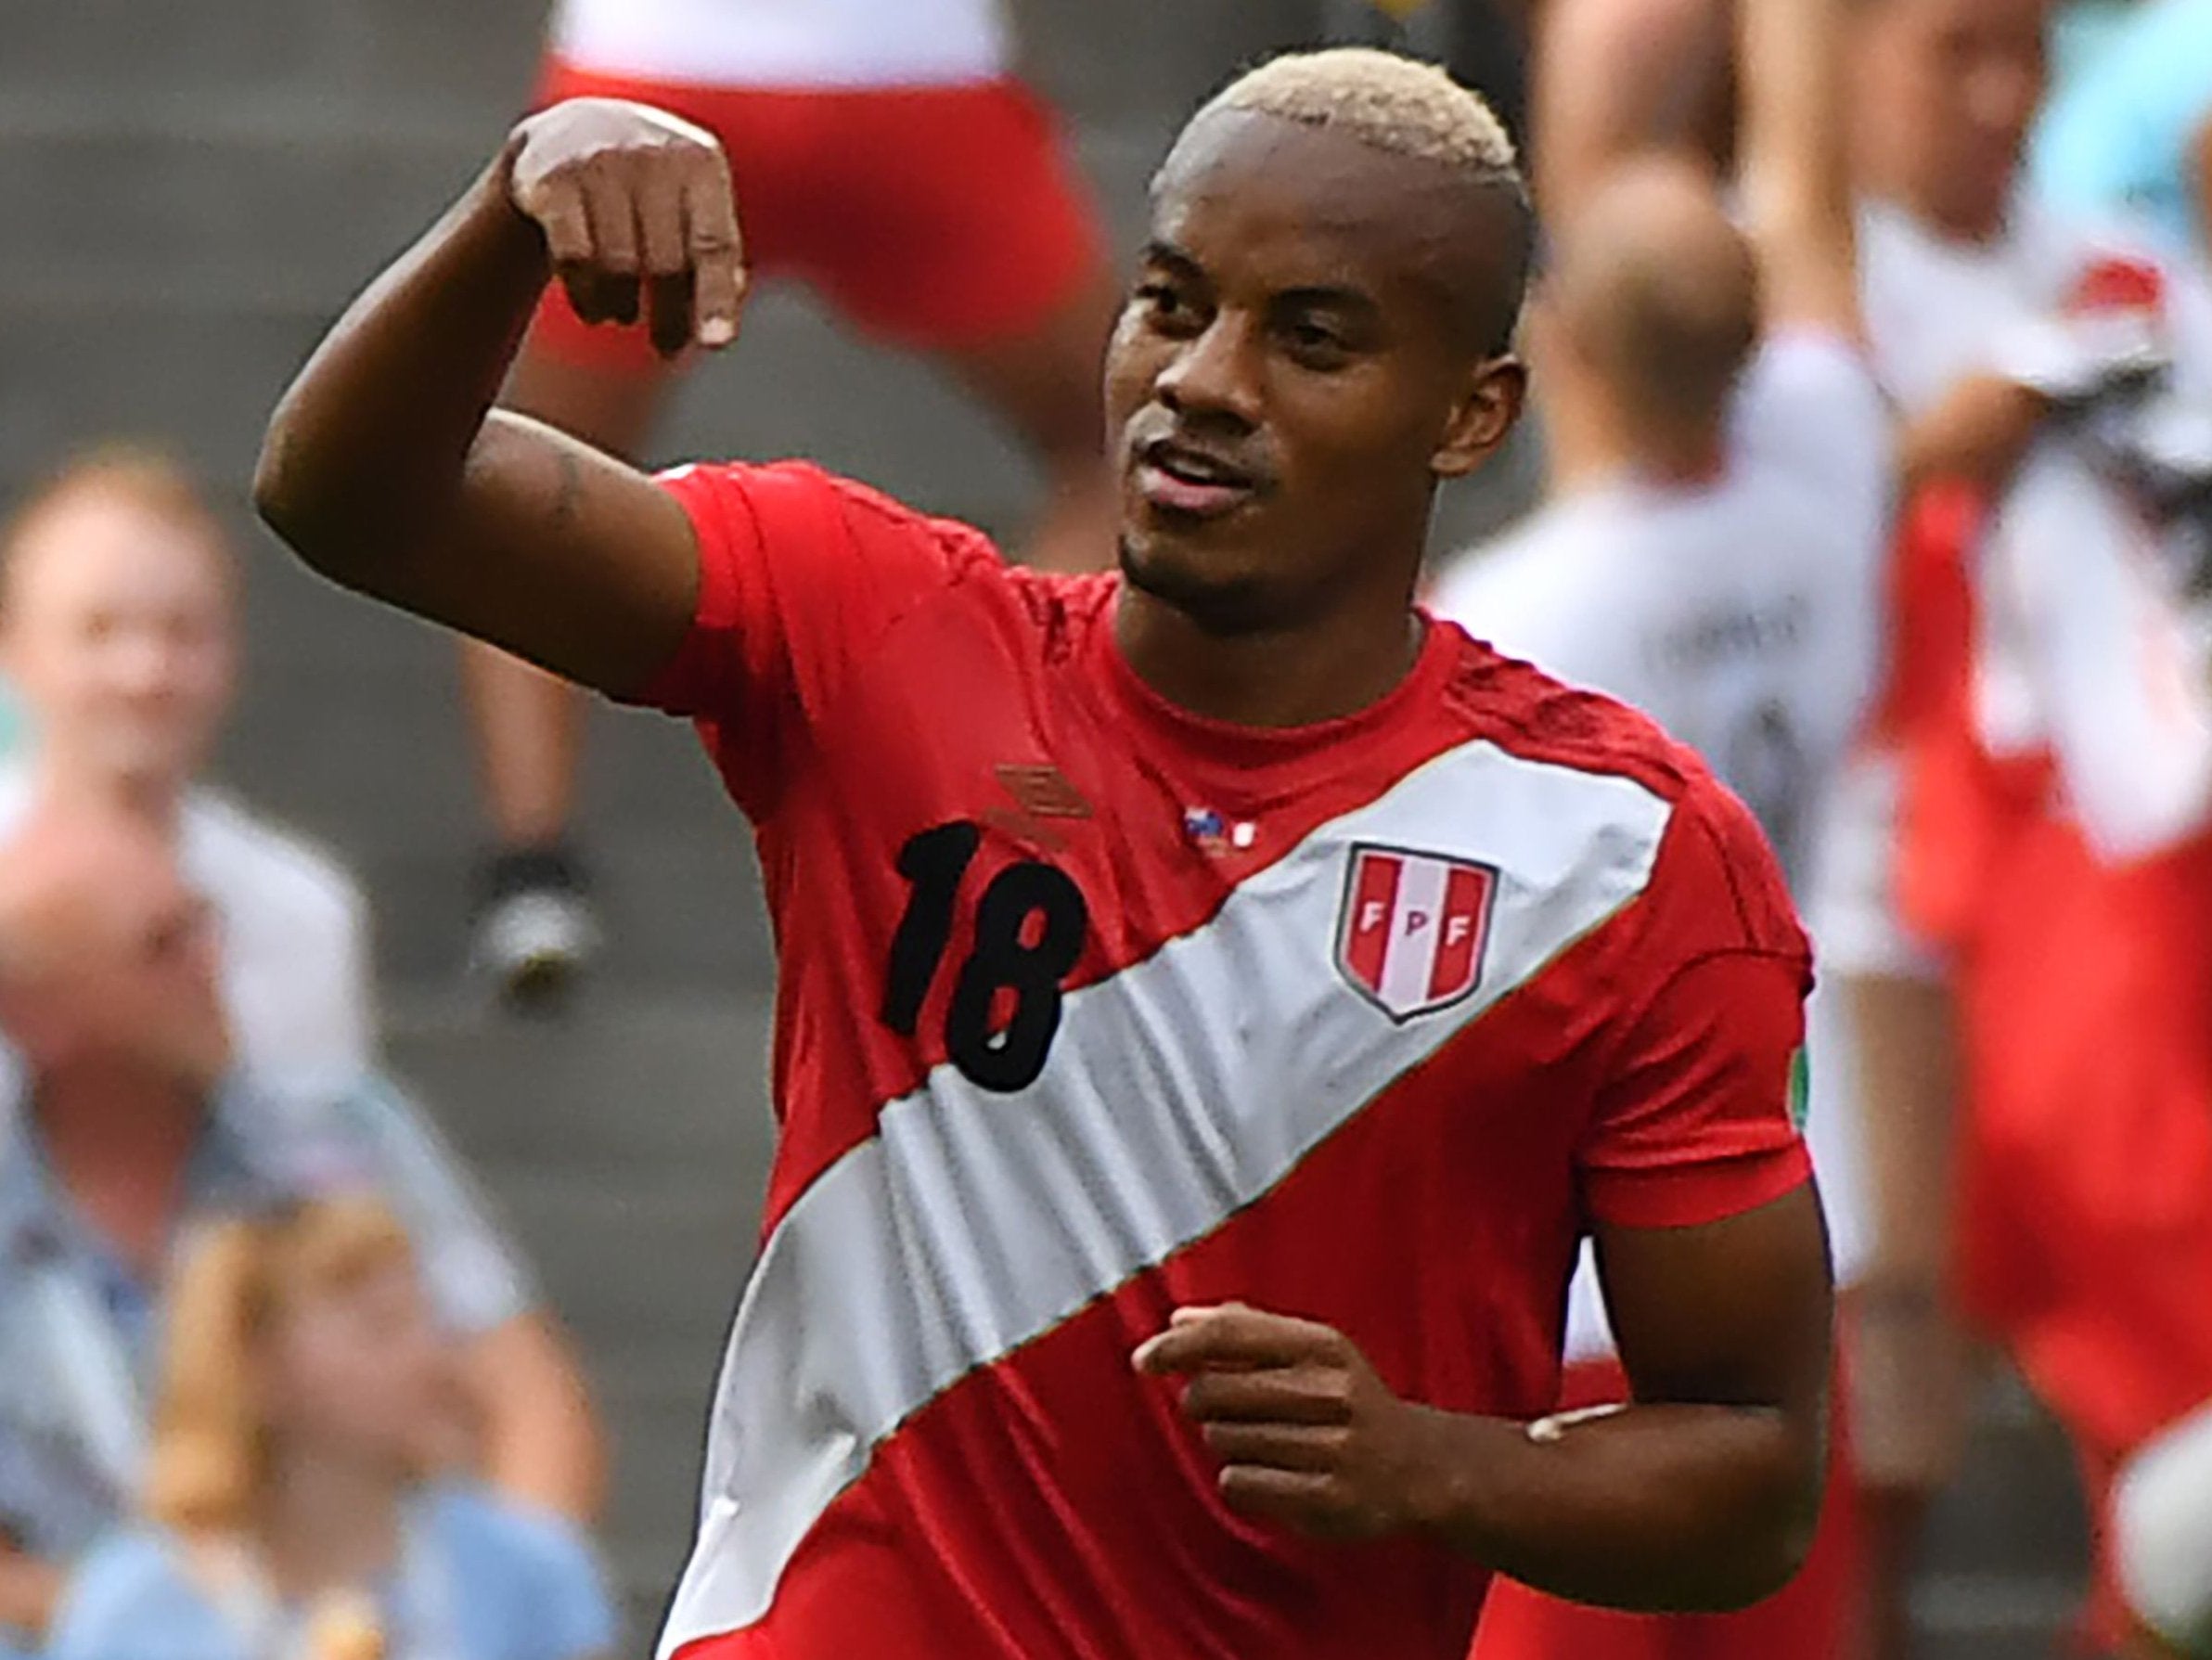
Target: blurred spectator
[291,1498]
[125,1124]
[118,620]
[1713,555]
[2128,124]
[2032,854]
[891,162]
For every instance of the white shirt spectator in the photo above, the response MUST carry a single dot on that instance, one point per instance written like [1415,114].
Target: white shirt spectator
[788,44]
[2086,646]
[296,971]
[1743,615]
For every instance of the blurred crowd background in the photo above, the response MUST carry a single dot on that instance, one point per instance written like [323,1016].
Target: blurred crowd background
[471,1127]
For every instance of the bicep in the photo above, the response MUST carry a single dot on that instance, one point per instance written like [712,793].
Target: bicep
[559,553]
[1735,1312]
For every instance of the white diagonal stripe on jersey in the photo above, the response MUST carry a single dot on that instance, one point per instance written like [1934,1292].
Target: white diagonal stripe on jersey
[1179,1091]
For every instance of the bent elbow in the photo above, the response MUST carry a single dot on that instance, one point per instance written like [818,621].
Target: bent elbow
[281,496]
[302,507]
[1764,1564]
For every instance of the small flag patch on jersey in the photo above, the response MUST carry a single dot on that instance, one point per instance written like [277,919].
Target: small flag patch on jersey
[1411,933]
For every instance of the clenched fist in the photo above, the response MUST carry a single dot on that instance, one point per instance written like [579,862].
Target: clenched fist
[1307,1433]
[638,214]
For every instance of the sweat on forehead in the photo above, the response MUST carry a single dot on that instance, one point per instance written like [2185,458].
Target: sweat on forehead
[1397,107]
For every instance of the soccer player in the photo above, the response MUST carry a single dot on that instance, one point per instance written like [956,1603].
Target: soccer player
[1216,997]
[1712,556]
[893,164]
[2052,715]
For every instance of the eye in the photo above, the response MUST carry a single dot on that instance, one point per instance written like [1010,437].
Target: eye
[1315,344]
[1163,303]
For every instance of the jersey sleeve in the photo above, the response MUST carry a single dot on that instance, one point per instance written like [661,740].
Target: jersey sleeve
[1699,1107]
[800,573]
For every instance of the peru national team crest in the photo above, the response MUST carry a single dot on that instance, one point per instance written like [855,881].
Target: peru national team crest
[1413,929]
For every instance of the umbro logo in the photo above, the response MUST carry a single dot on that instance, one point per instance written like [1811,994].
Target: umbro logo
[1041,791]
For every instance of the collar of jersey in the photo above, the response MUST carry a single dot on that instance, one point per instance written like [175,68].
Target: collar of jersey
[1247,750]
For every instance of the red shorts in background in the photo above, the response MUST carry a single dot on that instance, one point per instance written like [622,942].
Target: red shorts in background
[934,218]
[1813,1618]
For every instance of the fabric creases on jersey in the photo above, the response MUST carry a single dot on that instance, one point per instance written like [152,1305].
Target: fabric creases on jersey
[1091,1009]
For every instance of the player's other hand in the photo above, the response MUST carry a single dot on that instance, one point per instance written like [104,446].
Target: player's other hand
[638,214]
[1307,1434]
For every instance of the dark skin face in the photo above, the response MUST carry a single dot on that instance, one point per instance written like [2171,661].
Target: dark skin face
[1299,364]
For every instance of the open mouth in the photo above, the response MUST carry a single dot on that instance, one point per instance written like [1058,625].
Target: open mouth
[1176,478]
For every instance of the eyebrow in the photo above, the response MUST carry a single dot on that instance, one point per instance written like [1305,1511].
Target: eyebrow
[1169,257]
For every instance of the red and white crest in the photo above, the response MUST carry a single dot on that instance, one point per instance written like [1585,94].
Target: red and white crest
[1411,934]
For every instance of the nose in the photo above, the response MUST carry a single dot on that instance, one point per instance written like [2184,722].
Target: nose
[1213,373]
[140,663]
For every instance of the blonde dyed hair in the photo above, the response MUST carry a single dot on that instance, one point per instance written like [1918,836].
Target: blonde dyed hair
[1402,107]
[141,476]
[1384,100]
[238,1279]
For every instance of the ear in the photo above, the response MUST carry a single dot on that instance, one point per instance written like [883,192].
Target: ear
[1484,415]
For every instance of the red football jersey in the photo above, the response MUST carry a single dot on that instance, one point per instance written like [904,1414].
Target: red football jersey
[1090,1008]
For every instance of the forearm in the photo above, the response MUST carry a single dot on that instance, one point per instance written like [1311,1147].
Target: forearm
[371,442]
[30,1591]
[1903,1035]
[1976,435]
[539,1440]
[1795,175]
[1654,1507]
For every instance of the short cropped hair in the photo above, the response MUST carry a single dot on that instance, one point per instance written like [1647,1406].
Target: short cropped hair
[1403,107]
[142,475]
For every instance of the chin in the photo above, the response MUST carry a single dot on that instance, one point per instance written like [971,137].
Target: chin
[1211,589]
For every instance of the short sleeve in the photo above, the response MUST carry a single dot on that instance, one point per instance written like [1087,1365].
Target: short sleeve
[128,1597]
[800,573]
[568,1592]
[539,1577]
[1699,1105]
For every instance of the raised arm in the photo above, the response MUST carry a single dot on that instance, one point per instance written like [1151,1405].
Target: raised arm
[1612,79]
[1795,176]
[385,465]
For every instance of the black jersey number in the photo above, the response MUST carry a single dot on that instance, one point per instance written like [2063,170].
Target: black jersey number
[1030,925]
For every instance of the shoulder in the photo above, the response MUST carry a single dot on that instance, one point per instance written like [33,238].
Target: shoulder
[480,1522]
[1712,881]
[543,1563]
[129,1584]
[743,506]
[1527,712]
[245,857]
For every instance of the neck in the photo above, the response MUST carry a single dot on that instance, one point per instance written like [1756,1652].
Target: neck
[118,1143]
[328,1522]
[1602,445]
[1946,226]
[1295,675]
[159,799]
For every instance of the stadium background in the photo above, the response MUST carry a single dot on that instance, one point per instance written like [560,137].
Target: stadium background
[190,190]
